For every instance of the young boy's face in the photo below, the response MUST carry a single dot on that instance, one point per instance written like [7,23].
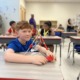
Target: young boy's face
[25,34]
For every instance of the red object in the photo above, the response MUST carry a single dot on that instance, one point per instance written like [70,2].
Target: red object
[44,43]
[50,58]
[31,46]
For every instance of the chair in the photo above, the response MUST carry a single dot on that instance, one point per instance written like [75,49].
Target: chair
[76,49]
[58,34]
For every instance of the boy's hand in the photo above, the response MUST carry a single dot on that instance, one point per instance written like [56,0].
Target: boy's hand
[50,57]
[38,59]
[49,53]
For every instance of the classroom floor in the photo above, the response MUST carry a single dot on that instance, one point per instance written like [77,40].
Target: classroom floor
[70,71]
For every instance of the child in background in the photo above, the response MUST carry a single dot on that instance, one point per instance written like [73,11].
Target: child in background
[61,27]
[47,31]
[58,31]
[40,28]
[11,30]
[21,44]
[70,27]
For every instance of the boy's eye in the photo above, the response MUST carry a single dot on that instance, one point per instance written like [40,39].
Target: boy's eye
[29,31]
[24,31]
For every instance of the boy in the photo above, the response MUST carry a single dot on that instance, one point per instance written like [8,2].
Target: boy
[21,44]
[11,30]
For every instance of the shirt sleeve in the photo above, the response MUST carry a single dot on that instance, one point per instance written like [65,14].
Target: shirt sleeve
[9,30]
[13,46]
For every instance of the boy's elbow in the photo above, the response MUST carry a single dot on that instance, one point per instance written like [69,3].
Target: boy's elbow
[6,57]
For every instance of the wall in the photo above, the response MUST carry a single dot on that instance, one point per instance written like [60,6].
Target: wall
[9,10]
[53,11]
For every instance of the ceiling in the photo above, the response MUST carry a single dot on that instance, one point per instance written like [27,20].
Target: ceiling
[70,1]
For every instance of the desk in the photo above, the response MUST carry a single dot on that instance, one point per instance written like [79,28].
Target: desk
[49,40]
[49,71]
[68,34]
[6,39]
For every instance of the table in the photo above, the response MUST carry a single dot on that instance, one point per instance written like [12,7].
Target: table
[49,71]
[6,39]
[49,40]
[67,35]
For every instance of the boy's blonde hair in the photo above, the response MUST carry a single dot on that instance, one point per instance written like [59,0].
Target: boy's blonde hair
[23,25]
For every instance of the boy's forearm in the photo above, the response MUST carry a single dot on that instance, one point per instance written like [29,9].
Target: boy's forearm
[42,49]
[18,58]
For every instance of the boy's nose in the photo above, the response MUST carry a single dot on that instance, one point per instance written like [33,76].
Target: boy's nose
[27,33]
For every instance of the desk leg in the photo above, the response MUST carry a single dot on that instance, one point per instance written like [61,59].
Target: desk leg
[73,54]
[63,41]
[56,48]
[68,51]
[78,76]
[60,54]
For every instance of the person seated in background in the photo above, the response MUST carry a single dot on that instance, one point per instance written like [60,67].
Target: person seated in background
[47,31]
[76,28]
[11,30]
[70,27]
[58,31]
[22,44]
[61,27]
[40,28]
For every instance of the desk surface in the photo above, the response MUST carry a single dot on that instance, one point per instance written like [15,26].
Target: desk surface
[5,36]
[75,37]
[69,32]
[49,71]
[50,37]
[45,37]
